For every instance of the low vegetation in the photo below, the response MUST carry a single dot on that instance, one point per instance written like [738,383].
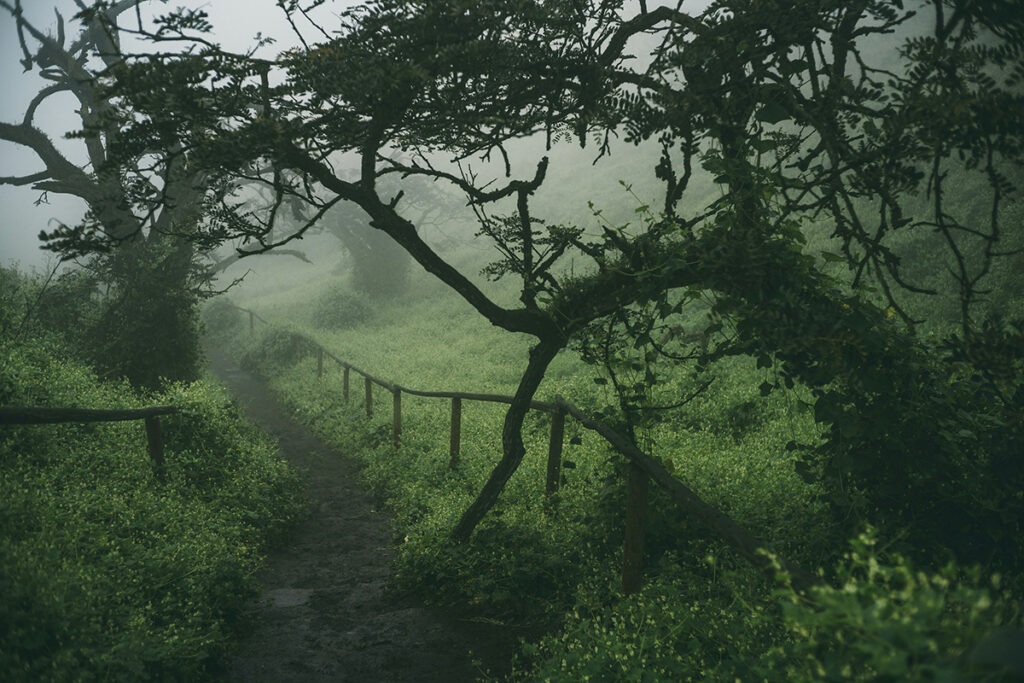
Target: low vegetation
[108,573]
[552,564]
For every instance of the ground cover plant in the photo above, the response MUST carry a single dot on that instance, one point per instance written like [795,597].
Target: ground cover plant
[702,614]
[107,572]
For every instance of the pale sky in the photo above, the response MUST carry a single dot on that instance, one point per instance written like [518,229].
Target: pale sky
[235,23]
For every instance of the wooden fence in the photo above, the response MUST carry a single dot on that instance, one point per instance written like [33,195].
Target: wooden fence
[642,469]
[151,416]
[456,398]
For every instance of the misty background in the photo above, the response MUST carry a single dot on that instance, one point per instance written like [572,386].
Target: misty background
[572,181]
[26,211]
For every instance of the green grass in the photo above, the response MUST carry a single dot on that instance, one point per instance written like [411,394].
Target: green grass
[107,573]
[703,613]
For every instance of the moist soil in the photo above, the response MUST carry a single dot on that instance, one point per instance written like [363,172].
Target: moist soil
[325,613]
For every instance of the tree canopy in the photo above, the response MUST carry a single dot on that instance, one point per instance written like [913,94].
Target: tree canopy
[792,108]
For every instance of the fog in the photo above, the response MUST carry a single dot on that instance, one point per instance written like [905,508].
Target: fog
[573,179]
[236,25]
[26,211]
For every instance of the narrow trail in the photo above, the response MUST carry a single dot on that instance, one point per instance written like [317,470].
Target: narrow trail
[324,614]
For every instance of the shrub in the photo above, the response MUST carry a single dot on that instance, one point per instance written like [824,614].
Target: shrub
[276,347]
[885,621]
[338,308]
[222,319]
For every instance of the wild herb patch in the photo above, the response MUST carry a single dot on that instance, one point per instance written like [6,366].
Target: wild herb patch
[106,572]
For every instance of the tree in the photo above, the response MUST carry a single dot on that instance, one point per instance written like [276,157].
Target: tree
[379,267]
[779,101]
[150,279]
[140,246]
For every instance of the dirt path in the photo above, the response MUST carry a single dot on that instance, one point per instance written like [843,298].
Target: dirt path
[324,614]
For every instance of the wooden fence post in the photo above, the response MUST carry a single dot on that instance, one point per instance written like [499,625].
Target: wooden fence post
[346,384]
[369,398]
[156,445]
[396,429]
[555,452]
[455,444]
[633,545]
[319,362]
[252,324]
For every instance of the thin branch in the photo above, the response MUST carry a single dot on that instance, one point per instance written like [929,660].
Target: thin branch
[24,180]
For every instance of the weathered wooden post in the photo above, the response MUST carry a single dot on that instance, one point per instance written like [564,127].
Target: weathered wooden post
[319,362]
[555,452]
[369,398]
[345,384]
[252,323]
[156,444]
[396,429]
[633,545]
[455,445]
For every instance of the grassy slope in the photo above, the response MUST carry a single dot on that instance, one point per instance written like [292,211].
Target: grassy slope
[703,614]
[729,443]
[105,572]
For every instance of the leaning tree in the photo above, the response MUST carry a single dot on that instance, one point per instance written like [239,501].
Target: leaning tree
[795,119]
[377,266]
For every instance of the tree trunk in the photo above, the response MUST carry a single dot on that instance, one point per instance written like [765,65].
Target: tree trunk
[512,445]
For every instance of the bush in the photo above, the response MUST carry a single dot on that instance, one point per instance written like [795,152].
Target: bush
[337,308]
[106,572]
[147,329]
[131,314]
[274,348]
[885,621]
[222,319]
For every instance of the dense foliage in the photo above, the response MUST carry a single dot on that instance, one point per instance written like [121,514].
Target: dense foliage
[131,314]
[106,572]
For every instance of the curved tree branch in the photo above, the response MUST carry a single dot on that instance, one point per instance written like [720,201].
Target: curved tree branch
[385,217]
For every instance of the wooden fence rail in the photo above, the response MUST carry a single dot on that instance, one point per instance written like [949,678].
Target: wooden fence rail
[10,415]
[457,397]
[643,468]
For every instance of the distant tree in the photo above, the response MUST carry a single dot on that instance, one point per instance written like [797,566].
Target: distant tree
[778,100]
[379,266]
